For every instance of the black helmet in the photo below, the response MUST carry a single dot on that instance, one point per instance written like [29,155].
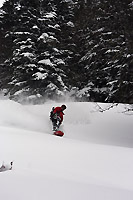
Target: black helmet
[63,107]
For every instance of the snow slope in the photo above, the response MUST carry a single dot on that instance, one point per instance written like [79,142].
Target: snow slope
[94,159]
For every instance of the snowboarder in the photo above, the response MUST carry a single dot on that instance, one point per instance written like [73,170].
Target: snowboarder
[56,116]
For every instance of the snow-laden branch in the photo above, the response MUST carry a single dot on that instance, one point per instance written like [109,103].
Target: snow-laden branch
[100,109]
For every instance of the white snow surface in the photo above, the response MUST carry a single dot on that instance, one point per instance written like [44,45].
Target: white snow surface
[93,160]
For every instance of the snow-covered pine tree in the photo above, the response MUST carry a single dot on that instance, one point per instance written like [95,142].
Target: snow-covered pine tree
[22,36]
[38,60]
[106,49]
[53,47]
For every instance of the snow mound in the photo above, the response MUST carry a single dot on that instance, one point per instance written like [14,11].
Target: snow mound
[93,160]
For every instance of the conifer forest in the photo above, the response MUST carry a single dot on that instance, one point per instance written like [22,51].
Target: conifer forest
[77,48]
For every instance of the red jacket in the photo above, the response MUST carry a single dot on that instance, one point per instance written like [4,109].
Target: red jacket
[59,112]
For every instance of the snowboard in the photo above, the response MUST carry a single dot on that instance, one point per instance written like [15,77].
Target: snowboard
[58,133]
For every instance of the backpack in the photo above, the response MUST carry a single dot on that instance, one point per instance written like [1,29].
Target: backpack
[51,113]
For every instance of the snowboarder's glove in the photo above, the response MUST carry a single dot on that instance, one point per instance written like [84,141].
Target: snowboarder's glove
[55,116]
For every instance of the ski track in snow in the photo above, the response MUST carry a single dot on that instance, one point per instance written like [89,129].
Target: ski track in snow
[93,160]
